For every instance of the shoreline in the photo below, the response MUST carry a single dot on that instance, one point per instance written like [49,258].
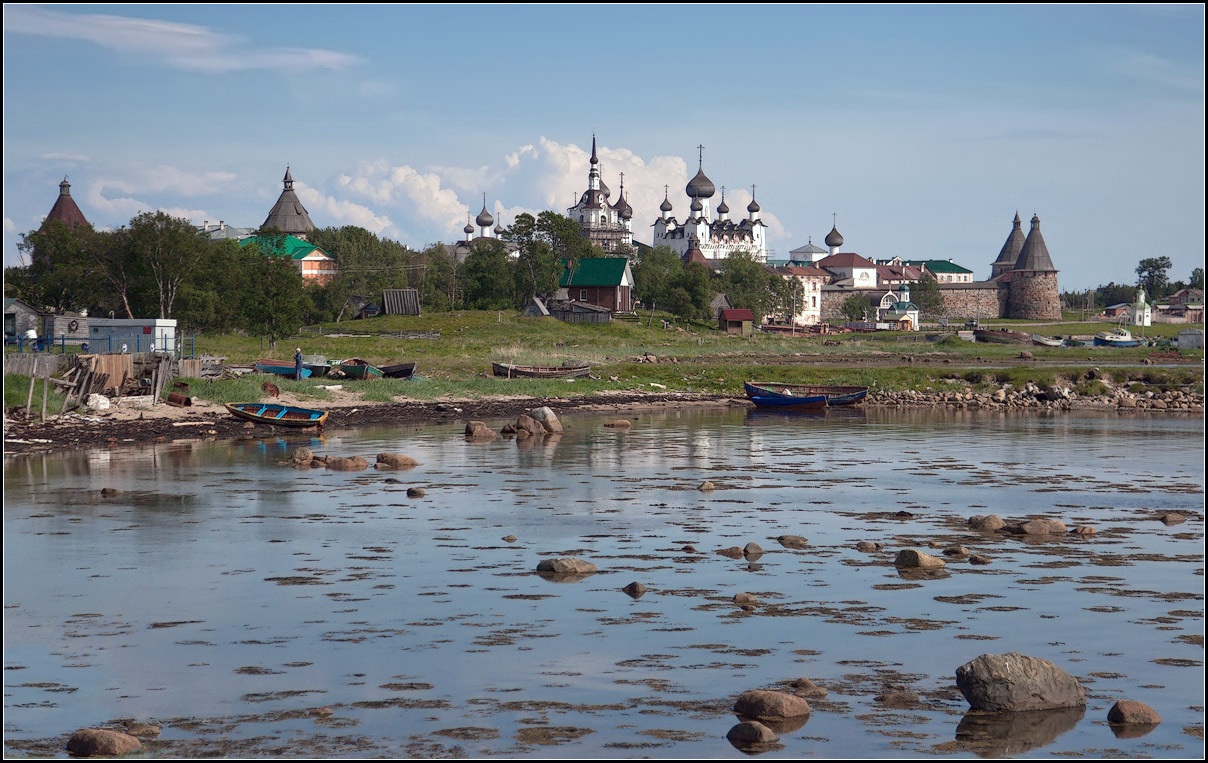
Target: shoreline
[132,424]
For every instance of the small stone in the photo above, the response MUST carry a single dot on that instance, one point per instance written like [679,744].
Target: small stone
[706,486]
[415,492]
[635,589]
[1129,711]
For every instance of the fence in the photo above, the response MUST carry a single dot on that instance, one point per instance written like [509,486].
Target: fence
[179,347]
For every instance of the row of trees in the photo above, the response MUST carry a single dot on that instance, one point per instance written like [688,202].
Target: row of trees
[1152,276]
[165,267]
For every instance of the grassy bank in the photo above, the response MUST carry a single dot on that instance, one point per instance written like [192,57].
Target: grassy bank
[454,351]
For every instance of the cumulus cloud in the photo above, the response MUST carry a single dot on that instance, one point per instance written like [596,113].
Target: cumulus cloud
[183,46]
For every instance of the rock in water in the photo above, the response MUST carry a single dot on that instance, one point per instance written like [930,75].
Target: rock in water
[1013,682]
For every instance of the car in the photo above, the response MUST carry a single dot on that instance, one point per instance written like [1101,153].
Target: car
[972,324]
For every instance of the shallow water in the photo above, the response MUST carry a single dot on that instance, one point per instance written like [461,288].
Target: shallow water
[253,609]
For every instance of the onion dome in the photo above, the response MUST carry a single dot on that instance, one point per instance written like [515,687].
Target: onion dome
[754,207]
[700,187]
[834,238]
[626,211]
[499,230]
[666,205]
[469,229]
[484,218]
[723,208]
[696,207]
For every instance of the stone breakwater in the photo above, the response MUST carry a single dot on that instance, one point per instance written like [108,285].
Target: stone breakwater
[1034,396]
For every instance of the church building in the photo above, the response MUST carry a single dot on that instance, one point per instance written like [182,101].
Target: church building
[607,225]
[715,237]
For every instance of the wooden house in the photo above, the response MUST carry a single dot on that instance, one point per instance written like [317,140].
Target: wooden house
[602,281]
[740,322]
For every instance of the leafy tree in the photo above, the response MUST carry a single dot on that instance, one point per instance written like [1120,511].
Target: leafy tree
[749,284]
[925,294]
[438,285]
[537,269]
[215,298]
[170,248]
[1151,276]
[283,302]
[61,273]
[857,307]
[367,264]
[1115,294]
[655,274]
[1197,279]
[690,292]
[488,277]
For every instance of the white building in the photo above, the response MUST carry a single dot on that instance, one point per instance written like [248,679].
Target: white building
[608,226]
[717,238]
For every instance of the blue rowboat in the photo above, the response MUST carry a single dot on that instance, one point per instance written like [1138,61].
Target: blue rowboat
[803,396]
[277,414]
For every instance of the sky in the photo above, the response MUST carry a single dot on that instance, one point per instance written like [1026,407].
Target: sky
[918,131]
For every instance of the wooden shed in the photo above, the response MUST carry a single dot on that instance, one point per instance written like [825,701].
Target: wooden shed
[736,321]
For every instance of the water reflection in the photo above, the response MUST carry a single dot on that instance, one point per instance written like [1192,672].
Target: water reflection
[1003,735]
[253,588]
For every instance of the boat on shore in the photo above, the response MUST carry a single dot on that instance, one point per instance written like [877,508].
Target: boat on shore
[399,370]
[512,370]
[316,364]
[1119,337]
[803,397]
[1002,336]
[279,367]
[276,414]
[1047,341]
[355,368]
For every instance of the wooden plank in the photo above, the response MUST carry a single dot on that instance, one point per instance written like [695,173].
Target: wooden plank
[33,378]
[45,392]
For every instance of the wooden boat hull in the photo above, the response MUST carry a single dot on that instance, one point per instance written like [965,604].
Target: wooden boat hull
[770,394]
[511,370]
[280,368]
[783,403]
[399,371]
[276,414]
[1002,336]
[356,369]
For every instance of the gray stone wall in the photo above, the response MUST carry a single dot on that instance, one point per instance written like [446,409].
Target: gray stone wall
[961,301]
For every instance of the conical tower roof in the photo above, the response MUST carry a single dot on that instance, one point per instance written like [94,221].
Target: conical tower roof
[1034,255]
[288,215]
[1014,244]
[65,209]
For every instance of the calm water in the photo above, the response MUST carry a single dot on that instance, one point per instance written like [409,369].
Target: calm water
[227,597]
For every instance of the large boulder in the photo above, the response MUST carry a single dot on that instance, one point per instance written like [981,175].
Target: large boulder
[1130,711]
[395,461]
[478,430]
[547,418]
[87,743]
[915,559]
[566,565]
[764,705]
[1013,682]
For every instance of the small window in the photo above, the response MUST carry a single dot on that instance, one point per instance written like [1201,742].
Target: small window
[583,295]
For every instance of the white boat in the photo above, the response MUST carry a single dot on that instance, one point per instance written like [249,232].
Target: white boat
[1047,341]
[1119,337]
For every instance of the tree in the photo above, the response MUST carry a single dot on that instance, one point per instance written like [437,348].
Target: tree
[487,276]
[170,248]
[690,293]
[1151,276]
[749,284]
[60,274]
[367,265]
[655,274]
[537,269]
[926,296]
[438,286]
[1197,279]
[856,307]
[281,307]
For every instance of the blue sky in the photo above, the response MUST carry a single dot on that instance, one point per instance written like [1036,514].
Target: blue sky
[919,130]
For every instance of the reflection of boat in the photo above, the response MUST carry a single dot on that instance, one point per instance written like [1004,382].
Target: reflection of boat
[803,396]
[355,368]
[511,370]
[278,415]
[399,370]
[1119,337]
[279,367]
[1047,341]
[1002,336]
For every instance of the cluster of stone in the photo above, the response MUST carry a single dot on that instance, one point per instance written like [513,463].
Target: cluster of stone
[1038,397]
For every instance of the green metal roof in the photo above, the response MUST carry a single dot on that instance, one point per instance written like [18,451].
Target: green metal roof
[939,266]
[292,246]
[594,271]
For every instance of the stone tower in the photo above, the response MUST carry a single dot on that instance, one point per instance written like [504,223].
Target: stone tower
[1032,291]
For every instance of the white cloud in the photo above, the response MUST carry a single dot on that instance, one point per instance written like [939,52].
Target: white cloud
[182,46]
[345,212]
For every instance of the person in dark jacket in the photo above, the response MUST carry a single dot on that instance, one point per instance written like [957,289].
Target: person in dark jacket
[297,362]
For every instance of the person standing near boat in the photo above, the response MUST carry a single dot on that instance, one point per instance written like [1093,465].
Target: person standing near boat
[298,363]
